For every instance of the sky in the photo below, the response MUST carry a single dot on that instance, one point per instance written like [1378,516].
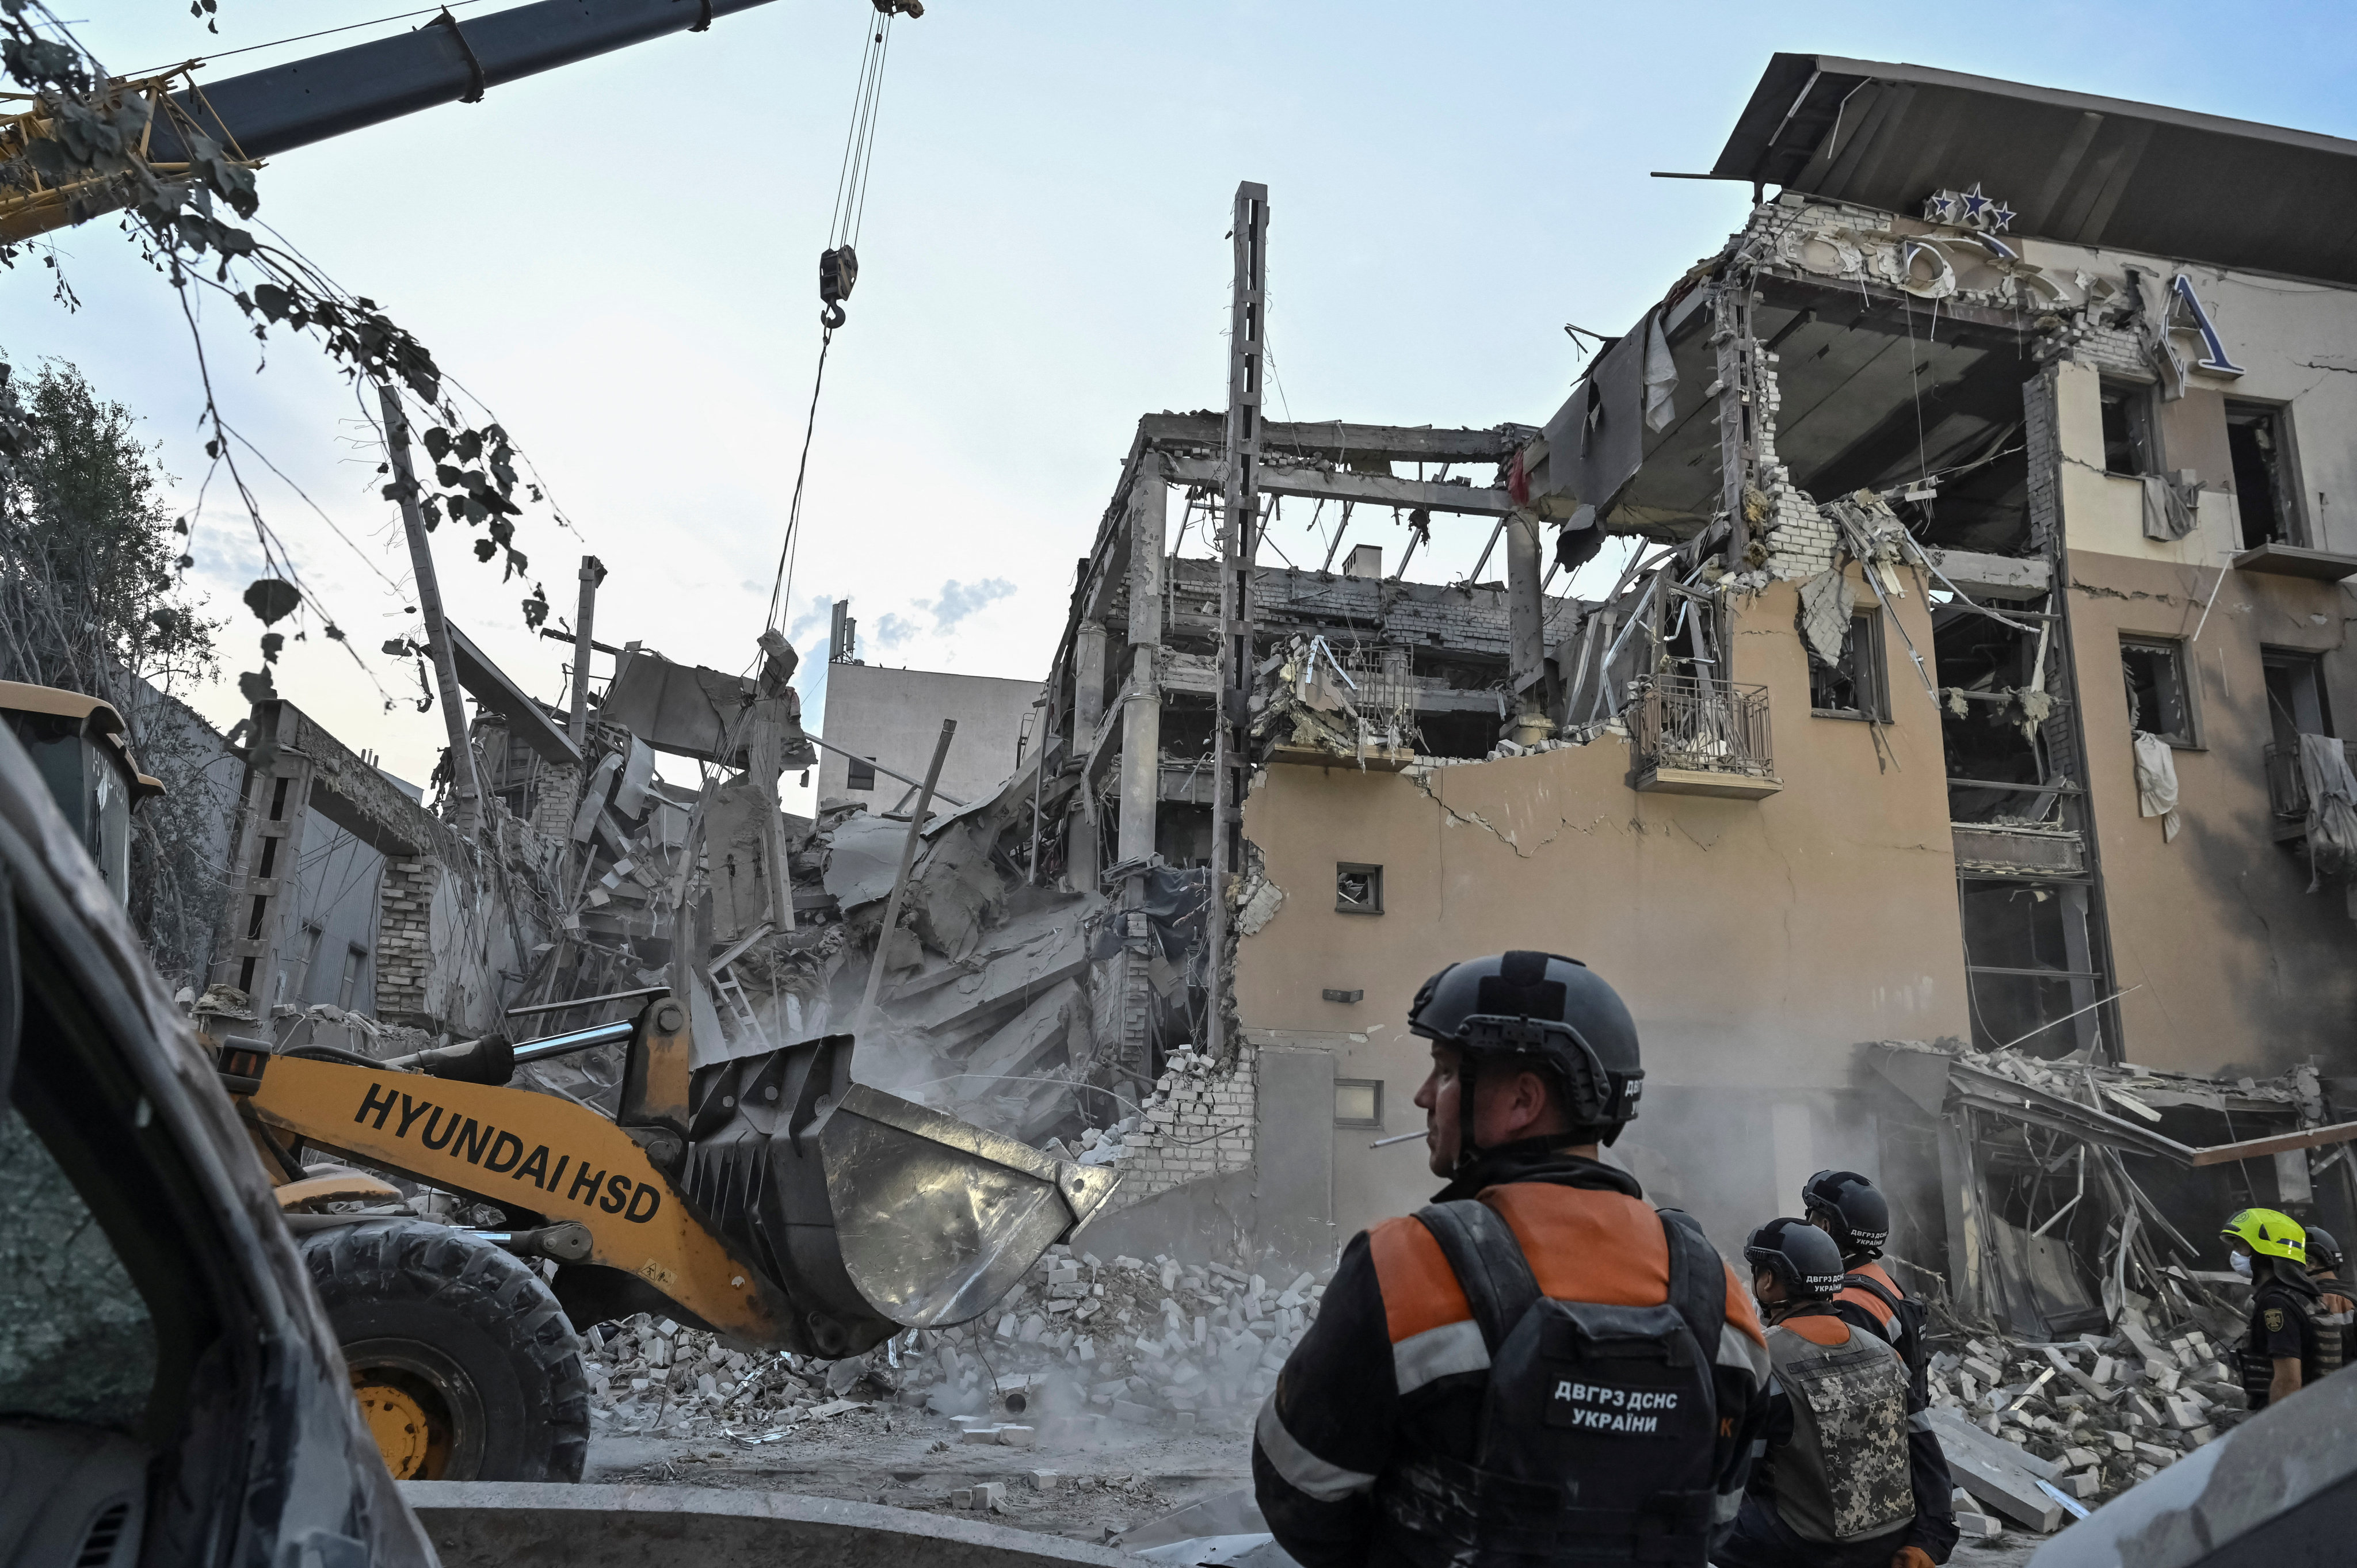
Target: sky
[617,260]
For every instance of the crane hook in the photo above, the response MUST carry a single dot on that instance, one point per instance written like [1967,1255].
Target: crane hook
[838,269]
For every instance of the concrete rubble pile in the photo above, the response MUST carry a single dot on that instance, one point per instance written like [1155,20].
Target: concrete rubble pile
[1082,1340]
[2081,1344]
[994,1003]
[2037,1432]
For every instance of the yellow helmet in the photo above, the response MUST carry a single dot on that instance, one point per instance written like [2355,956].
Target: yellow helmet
[2270,1233]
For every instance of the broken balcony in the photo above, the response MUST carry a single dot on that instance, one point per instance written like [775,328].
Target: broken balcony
[1696,735]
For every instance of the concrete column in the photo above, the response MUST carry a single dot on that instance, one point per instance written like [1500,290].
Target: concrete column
[1088,684]
[1527,628]
[1149,522]
[1141,757]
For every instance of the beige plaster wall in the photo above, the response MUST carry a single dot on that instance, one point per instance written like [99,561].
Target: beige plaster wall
[2234,962]
[2105,512]
[1756,942]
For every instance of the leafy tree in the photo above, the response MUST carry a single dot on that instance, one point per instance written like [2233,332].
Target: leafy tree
[92,600]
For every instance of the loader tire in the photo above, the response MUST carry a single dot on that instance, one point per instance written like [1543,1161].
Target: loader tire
[466,1367]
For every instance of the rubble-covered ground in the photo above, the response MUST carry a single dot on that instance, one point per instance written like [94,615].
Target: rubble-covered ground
[1100,1394]
[1105,1394]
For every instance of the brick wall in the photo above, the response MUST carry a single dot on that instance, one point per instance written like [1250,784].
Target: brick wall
[1199,1123]
[404,939]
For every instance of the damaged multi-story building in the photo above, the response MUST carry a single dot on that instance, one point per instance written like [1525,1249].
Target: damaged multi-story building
[1973,680]
[1942,760]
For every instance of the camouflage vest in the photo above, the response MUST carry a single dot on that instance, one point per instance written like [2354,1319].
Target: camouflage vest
[1844,1476]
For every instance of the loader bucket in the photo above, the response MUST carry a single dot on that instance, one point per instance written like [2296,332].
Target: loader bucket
[870,1213]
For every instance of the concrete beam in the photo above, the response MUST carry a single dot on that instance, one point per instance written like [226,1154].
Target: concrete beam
[351,794]
[544,1524]
[1994,576]
[1338,439]
[1278,477]
[527,720]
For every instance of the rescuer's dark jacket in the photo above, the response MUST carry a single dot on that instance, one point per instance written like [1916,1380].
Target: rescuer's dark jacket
[1395,1350]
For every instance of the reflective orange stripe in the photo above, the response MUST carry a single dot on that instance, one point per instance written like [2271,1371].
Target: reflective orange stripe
[1583,1245]
[1817,1329]
[1742,1315]
[1868,1299]
[1420,1290]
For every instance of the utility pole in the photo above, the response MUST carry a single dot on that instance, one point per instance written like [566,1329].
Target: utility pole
[1239,543]
[593,572]
[463,783]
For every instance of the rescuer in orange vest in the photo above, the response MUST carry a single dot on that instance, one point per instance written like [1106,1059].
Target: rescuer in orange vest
[1852,1211]
[1539,1366]
[1831,1489]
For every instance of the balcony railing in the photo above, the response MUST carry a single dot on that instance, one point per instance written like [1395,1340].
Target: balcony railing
[1701,735]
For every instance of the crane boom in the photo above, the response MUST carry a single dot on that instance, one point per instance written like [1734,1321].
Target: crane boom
[265,113]
[268,111]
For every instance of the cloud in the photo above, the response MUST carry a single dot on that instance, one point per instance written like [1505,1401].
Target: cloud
[820,614]
[960,600]
[891,631]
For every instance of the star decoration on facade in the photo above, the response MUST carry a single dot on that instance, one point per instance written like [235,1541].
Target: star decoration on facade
[1972,208]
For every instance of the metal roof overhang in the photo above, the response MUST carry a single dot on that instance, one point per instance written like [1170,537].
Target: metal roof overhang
[2075,167]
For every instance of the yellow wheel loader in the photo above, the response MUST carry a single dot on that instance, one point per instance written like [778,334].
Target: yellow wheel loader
[766,1198]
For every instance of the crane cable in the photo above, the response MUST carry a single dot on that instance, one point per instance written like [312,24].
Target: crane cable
[838,265]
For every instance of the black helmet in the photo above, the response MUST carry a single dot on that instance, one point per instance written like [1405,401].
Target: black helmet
[1857,1212]
[1798,1253]
[1550,1010]
[2323,1251]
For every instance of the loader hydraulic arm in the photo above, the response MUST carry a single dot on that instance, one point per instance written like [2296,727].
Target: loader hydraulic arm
[769,1196]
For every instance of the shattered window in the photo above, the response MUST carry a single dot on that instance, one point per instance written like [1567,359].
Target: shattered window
[2256,445]
[76,1342]
[2158,699]
[1358,890]
[861,775]
[2030,964]
[2127,427]
[1851,687]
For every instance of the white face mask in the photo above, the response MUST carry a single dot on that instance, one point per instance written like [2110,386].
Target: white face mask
[2242,1263]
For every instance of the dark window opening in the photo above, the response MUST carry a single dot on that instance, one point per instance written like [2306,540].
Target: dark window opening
[2296,705]
[860,775]
[2127,428]
[1852,687]
[2030,965]
[1977,660]
[2159,699]
[2255,445]
[1358,890]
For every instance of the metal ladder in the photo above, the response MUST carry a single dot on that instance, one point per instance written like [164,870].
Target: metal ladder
[731,992]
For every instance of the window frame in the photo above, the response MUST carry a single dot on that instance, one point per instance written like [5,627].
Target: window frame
[1869,668]
[2140,402]
[2291,496]
[1374,873]
[859,774]
[2175,648]
[1376,1084]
